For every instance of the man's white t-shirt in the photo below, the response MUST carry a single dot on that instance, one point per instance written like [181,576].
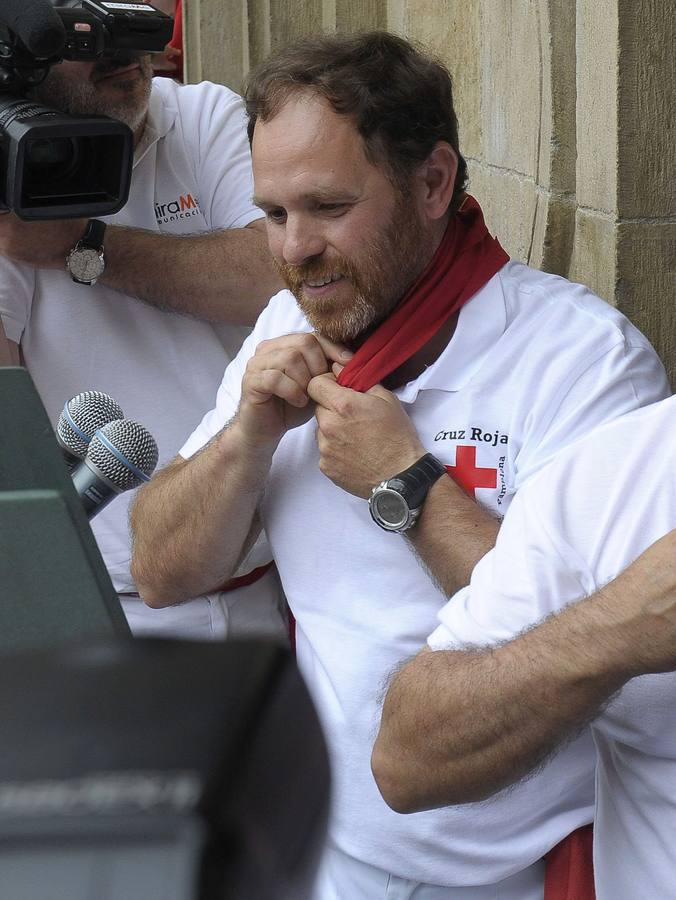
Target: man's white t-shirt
[192,173]
[571,529]
[534,363]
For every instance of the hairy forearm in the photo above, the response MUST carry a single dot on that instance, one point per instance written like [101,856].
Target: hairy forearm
[451,535]
[223,276]
[457,726]
[195,519]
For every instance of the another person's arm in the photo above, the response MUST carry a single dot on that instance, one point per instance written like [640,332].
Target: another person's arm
[222,276]
[195,520]
[459,725]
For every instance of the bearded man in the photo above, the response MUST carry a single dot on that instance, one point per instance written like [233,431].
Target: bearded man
[406,330]
[188,241]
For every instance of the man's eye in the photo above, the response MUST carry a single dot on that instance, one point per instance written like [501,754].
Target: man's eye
[332,207]
[276,215]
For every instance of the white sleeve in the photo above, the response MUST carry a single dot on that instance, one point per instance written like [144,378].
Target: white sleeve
[227,401]
[17,287]
[623,378]
[223,159]
[528,575]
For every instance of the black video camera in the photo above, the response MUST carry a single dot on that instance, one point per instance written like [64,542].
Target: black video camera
[54,165]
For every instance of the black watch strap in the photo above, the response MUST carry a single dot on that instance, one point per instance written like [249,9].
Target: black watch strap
[415,482]
[93,236]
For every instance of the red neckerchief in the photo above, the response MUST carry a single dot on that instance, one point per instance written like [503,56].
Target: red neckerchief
[465,260]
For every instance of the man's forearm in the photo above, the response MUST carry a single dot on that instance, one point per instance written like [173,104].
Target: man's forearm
[457,726]
[451,535]
[223,276]
[195,519]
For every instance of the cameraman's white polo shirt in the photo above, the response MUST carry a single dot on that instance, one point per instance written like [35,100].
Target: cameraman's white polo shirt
[192,174]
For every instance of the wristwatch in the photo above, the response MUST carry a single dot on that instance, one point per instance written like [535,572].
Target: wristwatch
[395,504]
[86,262]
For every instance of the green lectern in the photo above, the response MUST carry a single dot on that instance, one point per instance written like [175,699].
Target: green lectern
[54,586]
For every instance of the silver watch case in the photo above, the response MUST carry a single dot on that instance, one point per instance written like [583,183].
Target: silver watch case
[390,510]
[85,264]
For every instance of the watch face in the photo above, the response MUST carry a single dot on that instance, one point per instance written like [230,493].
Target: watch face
[85,264]
[389,509]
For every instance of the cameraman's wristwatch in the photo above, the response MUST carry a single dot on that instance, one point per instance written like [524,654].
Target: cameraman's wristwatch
[86,262]
[395,504]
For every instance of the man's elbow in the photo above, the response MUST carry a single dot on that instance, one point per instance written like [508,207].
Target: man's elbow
[150,590]
[415,788]
[395,783]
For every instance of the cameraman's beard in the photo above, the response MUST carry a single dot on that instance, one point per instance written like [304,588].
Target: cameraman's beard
[85,99]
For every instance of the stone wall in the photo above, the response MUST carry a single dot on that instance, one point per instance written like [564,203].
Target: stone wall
[566,113]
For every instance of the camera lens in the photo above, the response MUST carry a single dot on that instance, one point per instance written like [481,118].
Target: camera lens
[53,157]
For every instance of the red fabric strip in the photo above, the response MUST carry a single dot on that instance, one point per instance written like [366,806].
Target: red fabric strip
[466,259]
[569,867]
[243,580]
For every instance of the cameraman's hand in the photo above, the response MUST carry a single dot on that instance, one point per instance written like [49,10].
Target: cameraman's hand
[274,388]
[44,245]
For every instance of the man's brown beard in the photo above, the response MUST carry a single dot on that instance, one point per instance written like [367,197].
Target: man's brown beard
[393,261]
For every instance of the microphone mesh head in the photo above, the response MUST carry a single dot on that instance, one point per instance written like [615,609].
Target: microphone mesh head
[89,410]
[134,443]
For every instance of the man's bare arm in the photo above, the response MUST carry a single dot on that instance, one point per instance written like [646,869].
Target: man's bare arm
[193,522]
[451,535]
[458,726]
[195,519]
[221,276]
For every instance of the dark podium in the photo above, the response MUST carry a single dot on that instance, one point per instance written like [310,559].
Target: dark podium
[134,769]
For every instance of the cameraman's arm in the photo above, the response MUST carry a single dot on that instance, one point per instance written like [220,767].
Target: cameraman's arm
[223,276]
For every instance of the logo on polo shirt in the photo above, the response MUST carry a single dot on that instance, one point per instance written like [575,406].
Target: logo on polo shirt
[183,207]
[492,438]
[465,471]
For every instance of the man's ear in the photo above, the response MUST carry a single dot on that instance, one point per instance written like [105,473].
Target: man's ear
[435,181]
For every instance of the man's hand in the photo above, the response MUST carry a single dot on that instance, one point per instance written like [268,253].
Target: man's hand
[275,385]
[363,438]
[44,245]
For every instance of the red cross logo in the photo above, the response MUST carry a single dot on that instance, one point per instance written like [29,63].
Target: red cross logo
[466,474]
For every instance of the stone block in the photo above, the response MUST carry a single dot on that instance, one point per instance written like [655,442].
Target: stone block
[509,202]
[646,104]
[511,85]
[593,261]
[597,60]
[646,284]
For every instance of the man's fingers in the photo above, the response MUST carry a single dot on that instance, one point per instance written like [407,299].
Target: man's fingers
[307,345]
[325,391]
[379,391]
[332,351]
[290,361]
[262,385]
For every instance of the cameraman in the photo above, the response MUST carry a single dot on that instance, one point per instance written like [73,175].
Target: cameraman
[187,242]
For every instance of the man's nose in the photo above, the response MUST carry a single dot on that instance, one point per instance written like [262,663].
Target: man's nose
[303,241]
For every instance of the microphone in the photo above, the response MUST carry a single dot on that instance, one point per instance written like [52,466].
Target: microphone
[36,24]
[82,415]
[122,455]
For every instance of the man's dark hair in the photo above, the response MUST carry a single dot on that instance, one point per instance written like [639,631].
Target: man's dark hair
[400,99]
